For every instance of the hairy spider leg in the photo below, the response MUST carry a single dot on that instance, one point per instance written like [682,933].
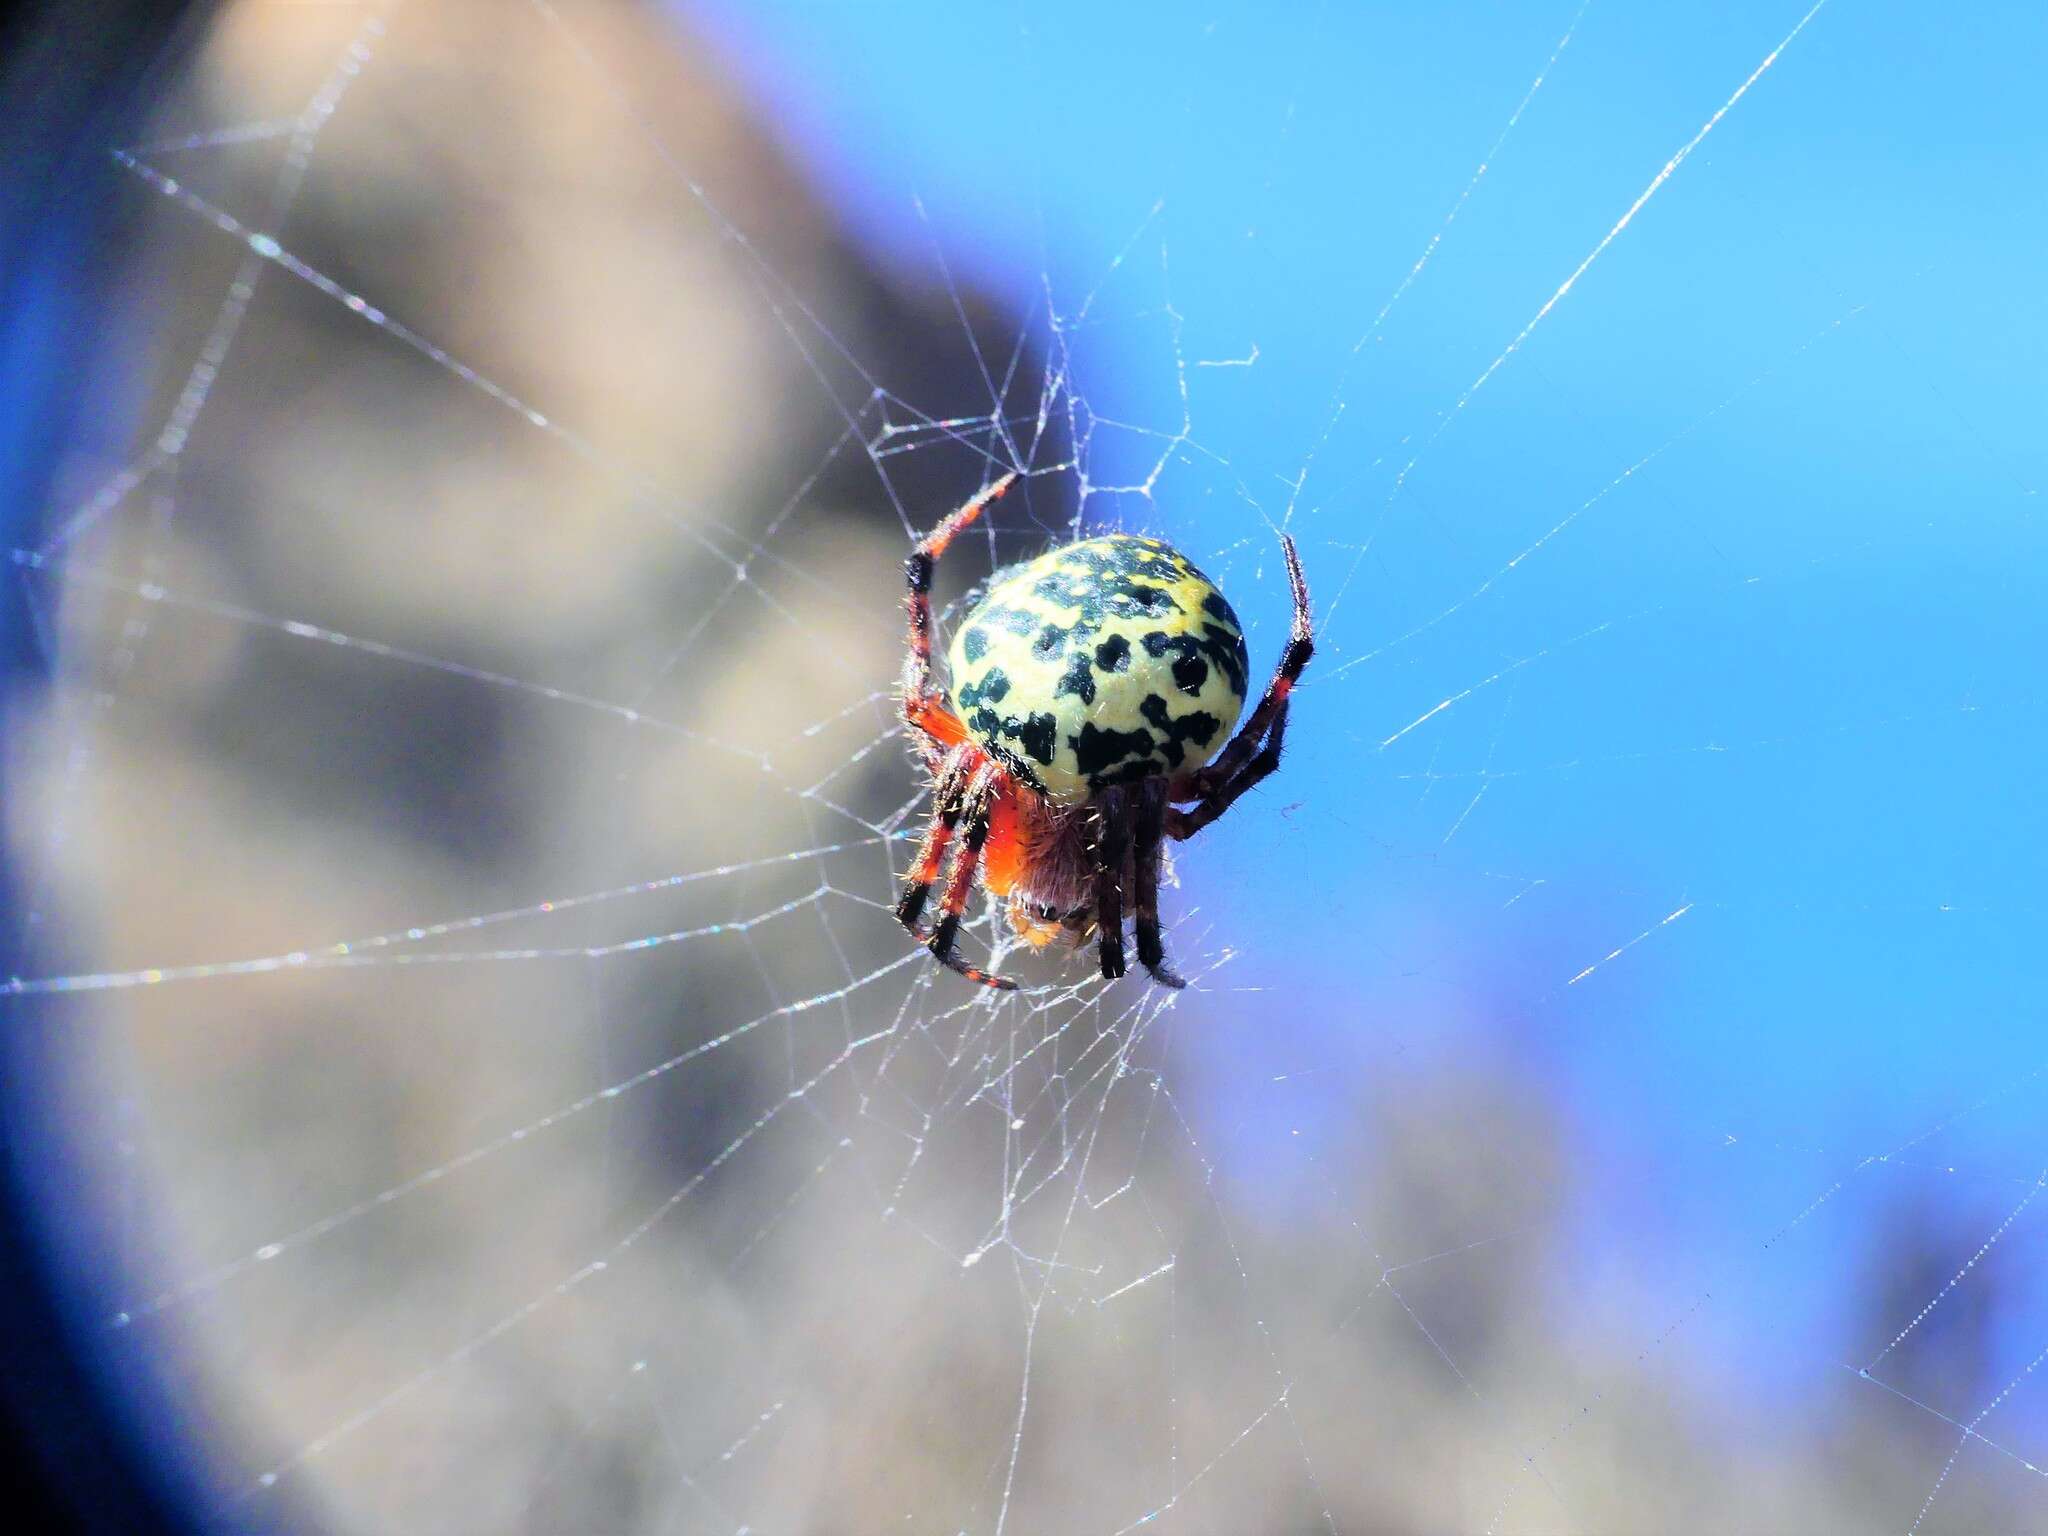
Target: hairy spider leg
[1112,847]
[924,705]
[1254,751]
[1185,824]
[949,802]
[988,785]
[1300,646]
[1146,846]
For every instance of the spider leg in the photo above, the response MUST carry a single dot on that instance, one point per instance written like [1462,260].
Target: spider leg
[1183,825]
[924,705]
[949,802]
[974,973]
[938,729]
[1151,824]
[1112,848]
[979,801]
[1221,776]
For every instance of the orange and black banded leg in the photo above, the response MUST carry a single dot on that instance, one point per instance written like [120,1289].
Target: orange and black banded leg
[924,705]
[938,729]
[949,803]
[1260,735]
[1185,824]
[1145,846]
[980,803]
[1111,850]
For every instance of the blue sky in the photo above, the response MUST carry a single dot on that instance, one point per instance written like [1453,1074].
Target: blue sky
[1732,571]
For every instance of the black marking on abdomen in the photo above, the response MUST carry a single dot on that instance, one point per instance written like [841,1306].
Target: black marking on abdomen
[1221,648]
[1014,621]
[1035,735]
[1078,679]
[1131,773]
[1095,748]
[990,688]
[1196,730]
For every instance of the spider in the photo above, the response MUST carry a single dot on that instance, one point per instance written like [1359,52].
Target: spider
[1091,687]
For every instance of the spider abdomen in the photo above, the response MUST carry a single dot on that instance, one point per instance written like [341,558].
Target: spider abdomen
[1101,662]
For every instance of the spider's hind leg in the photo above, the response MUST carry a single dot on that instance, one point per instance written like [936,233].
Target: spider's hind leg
[977,804]
[949,803]
[1111,850]
[1148,843]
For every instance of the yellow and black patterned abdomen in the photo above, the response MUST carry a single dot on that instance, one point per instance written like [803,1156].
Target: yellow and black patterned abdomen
[1099,663]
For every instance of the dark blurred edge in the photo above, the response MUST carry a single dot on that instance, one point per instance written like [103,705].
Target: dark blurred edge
[82,1447]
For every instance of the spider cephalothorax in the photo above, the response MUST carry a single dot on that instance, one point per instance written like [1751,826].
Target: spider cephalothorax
[1090,689]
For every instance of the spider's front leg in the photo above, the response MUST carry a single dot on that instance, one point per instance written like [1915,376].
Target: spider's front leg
[1182,825]
[923,704]
[1254,751]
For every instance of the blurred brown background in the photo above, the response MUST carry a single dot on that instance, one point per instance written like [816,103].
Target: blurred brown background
[801,1152]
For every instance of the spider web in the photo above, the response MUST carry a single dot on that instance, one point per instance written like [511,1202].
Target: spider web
[466,813]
